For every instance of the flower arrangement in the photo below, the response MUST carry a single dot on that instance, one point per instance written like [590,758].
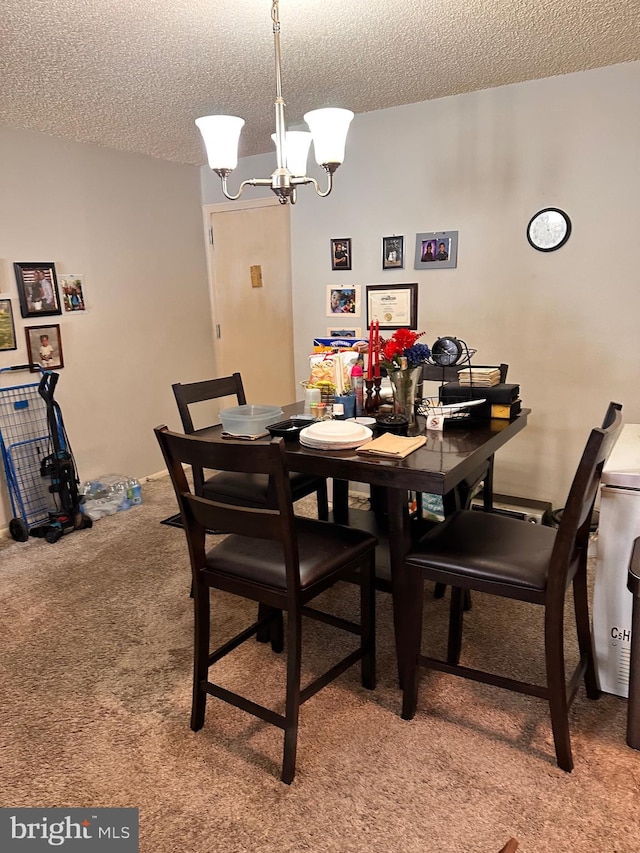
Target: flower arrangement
[402,357]
[402,351]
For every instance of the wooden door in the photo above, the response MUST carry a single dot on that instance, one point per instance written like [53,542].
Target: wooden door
[250,275]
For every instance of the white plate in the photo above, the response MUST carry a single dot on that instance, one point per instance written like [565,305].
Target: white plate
[331,444]
[364,421]
[335,431]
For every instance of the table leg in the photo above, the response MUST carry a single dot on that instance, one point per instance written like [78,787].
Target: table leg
[406,591]
[341,501]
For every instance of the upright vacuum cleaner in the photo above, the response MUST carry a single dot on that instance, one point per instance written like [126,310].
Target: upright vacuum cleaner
[59,466]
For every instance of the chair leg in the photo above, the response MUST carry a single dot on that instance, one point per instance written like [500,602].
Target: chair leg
[411,668]
[263,634]
[368,624]
[487,488]
[585,641]
[557,689]
[454,643]
[201,630]
[273,631]
[277,632]
[294,656]
[440,589]
[323,501]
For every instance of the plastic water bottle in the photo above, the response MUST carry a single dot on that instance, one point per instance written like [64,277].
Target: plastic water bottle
[357,381]
[134,492]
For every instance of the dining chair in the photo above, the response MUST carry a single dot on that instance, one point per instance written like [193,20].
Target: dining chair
[272,557]
[239,488]
[532,563]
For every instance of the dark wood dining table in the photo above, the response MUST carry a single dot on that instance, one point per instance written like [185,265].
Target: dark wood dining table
[444,461]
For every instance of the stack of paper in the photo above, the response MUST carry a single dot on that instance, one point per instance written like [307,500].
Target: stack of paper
[392,446]
[483,377]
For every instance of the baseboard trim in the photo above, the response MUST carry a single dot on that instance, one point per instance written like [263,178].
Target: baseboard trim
[157,476]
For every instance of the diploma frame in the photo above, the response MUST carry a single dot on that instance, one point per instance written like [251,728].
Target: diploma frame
[394,306]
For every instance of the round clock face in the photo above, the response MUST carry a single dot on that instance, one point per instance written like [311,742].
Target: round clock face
[548,229]
[446,351]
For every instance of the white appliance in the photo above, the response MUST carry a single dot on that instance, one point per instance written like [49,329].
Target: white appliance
[619,526]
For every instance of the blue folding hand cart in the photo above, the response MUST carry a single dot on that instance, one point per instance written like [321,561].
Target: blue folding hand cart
[38,463]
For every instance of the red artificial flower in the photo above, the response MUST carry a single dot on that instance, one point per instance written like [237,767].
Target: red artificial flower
[400,341]
[397,346]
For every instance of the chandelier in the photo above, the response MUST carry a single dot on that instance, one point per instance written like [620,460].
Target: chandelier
[328,128]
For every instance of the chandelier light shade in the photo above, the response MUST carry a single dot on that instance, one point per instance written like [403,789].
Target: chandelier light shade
[221,135]
[328,128]
[297,146]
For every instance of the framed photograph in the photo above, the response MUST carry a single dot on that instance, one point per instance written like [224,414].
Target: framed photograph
[44,348]
[392,253]
[343,301]
[7,326]
[37,289]
[339,332]
[72,292]
[341,254]
[436,250]
[394,306]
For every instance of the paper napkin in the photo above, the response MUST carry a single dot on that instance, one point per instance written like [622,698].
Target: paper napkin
[245,437]
[392,446]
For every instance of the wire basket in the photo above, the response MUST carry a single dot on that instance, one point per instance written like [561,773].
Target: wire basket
[454,411]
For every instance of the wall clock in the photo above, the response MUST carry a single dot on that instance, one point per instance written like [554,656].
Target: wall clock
[548,229]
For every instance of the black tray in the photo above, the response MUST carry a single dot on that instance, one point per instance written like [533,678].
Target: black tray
[291,428]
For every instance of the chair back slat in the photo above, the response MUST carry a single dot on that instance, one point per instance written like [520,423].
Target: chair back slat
[209,389]
[241,520]
[573,532]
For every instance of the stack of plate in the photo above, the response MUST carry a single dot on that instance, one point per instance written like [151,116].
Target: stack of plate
[335,435]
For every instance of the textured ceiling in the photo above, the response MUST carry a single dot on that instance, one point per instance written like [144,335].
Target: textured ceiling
[134,74]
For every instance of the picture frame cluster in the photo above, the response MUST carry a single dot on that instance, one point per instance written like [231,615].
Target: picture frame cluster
[392,306]
[434,250]
[40,295]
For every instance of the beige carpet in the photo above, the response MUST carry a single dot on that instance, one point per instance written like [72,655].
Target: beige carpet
[95,686]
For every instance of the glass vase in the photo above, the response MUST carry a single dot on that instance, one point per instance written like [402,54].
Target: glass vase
[405,385]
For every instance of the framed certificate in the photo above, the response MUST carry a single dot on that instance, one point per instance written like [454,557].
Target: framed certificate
[394,306]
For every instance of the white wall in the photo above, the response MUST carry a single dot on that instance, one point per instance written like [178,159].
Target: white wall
[132,225]
[482,164]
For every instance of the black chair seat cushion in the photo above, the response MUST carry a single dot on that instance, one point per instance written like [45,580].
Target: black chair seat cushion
[252,489]
[485,547]
[323,549]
